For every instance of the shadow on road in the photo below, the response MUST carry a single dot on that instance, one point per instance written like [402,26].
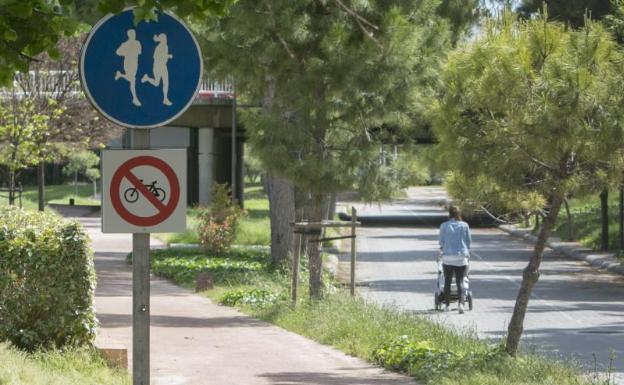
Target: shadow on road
[319,378]
[125,320]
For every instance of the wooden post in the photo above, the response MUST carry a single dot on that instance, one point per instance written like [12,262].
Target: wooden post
[141,290]
[295,267]
[353,250]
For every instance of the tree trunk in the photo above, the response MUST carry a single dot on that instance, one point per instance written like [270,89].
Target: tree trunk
[11,187]
[76,184]
[604,219]
[569,217]
[530,275]
[281,194]
[94,189]
[41,185]
[331,207]
[282,211]
[314,248]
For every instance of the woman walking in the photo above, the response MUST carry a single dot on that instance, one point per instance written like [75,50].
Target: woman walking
[455,240]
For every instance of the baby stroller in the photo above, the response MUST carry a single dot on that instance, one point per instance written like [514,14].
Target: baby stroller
[454,297]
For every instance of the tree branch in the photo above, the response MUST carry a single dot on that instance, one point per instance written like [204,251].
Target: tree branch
[356,15]
[494,217]
[277,34]
[359,20]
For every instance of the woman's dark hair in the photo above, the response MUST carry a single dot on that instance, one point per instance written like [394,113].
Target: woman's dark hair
[455,213]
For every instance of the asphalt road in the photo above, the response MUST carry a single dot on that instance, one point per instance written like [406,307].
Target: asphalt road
[575,310]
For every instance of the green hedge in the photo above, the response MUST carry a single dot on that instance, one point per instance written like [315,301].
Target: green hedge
[47,281]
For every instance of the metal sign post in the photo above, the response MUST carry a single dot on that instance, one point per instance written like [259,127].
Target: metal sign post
[140,289]
[141,76]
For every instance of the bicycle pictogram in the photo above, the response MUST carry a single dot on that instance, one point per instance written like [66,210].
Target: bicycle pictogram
[131,194]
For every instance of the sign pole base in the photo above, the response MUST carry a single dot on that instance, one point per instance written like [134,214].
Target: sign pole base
[140,289]
[140,309]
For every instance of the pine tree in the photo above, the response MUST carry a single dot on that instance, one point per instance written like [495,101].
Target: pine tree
[336,79]
[533,108]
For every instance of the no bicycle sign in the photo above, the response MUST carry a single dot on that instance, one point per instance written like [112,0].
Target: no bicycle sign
[143,191]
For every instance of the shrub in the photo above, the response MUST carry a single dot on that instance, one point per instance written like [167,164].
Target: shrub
[218,223]
[47,281]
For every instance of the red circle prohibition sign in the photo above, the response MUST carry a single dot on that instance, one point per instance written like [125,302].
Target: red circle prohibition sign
[125,171]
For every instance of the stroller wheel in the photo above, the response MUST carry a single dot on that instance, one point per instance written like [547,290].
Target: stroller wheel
[436,301]
[469,301]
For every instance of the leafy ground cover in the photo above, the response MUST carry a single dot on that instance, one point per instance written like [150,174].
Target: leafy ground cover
[54,194]
[396,340]
[254,227]
[243,268]
[76,367]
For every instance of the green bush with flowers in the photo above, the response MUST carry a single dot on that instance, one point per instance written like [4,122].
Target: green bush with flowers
[218,223]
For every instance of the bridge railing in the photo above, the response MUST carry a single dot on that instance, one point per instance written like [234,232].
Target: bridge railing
[56,84]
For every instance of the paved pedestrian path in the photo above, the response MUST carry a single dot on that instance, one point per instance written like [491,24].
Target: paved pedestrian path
[196,342]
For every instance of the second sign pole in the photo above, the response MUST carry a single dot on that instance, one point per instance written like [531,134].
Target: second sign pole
[140,288]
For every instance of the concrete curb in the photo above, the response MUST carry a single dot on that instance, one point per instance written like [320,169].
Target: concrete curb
[604,261]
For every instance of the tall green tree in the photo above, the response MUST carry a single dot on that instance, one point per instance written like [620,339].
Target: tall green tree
[50,85]
[533,107]
[86,163]
[335,79]
[23,137]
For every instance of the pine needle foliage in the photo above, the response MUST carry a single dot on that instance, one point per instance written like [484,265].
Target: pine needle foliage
[334,78]
[533,107]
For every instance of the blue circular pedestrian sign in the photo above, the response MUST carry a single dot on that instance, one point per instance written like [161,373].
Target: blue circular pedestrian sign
[143,75]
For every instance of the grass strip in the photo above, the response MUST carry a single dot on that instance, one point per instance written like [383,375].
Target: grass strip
[53,194]
[75,367]
[397,340]
[413,344]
